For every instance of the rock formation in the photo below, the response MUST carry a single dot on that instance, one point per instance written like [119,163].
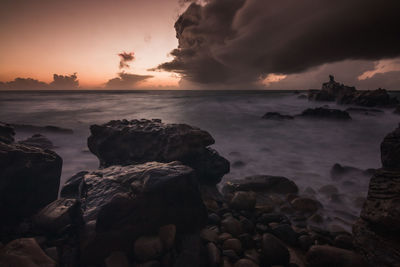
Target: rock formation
[325,113]
[38,140]
[376,233]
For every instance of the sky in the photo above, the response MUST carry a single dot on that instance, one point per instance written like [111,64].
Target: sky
[211,44]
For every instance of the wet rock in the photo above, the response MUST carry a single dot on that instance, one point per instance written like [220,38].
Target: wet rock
[276,116]
[328,190]
[285,233]
[137,141]
[390,150]
[306,205]
[214,219]
[365,111]
[25,252]
[232,226]
[327,256]
[231,254]
[397,110]
[41,129]
[325,113]
[339,171]
[233,244]
[209,235]
[252,255]
[59,214]
[305,242]
[224,236]
[167,236]
[30,178]
[52,252]
[151,264]
[274,252]
[374,98]
[238,164]
[262,183]
[126,202]
[117,259]
[147,248]
[243,200]
[74,187]
[245,263]
[343,241]
[214,255]
[38,140]
[6,133]
[246,240]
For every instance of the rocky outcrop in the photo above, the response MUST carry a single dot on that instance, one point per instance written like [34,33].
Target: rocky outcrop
[276,116]
[6,133]
[29,180]
[41,129]
[325,113]
[377,230]
[342,94]
[38,140]
[122,203]
[125,142]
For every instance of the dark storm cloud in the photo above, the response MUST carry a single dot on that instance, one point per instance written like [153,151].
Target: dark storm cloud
[125,58]
[241,41]
[59,82]
[65,81]
[126,81]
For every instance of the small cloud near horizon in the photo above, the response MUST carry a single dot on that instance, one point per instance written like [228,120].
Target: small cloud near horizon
[126,81]
[60,82]
[126,57]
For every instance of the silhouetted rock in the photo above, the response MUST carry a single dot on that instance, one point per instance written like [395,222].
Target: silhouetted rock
[330,91]
[365,111]
[137,141]
[339,171]
[41,129]
[122,203]
[376,231]
[38,140]
[327,256]
[6,133]
[375,98]
[274,251]
[325,113]
[30,179]
[276,116]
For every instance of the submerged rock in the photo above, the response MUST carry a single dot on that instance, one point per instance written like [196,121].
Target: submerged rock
[137,141]
[325,113]
[276,116]
[42,129]
[339,171]
[30,178]
[125,202]
[38,140]
[6,133]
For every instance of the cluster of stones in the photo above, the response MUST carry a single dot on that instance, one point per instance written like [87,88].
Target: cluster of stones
[325,113]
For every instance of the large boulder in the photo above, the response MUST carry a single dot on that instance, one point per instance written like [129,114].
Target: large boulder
[121,203]
[276,116]
[29,180]
[377,230]
[325,113]
[125,142]
[6,133]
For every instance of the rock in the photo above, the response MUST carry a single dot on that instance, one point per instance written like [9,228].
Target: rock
[325,113]
[147,248]
[41,129]
[231,254]
[375,98]
[262,183]
[397,110]
[390,150]
[232,226]
[274,252]
[117,259]
[24,252]
[38,140]
[224,236]
[365,111]
[327,256]
[305,242]
[30,178]
[252,255]
[343,241]
[209,235]
[233,244]
[306,205]
[6,133]
[285,233]
[245,263]
[74,187]
[214,255]
[57,215]
[339,171]
[243,200]
[276,116]
[126,202]
[167,235]
[137,141]
[52,252]
[150,264]
[214,219]
[328,190]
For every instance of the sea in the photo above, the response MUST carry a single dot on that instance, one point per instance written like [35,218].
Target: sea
[302,150]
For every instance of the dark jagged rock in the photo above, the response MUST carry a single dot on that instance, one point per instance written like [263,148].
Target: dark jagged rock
[365,111]
[29,180]
[137,141]
[122,203]
[276,116]
[6,133]
[41,129]
[262,183]
[330,91]
[325,113]
[327,256]
[390,150]
[377,230]
[38,140]
[339,171]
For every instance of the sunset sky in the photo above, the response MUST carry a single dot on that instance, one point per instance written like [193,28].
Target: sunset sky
[222,44]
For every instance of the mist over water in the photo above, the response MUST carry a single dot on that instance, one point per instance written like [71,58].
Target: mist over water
[301,150]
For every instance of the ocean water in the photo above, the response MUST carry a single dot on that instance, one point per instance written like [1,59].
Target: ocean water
[302,150]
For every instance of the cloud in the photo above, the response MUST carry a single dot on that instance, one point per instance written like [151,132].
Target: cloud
[65,82]
[382,66]
[125,58]
[126,81]
[230,42]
